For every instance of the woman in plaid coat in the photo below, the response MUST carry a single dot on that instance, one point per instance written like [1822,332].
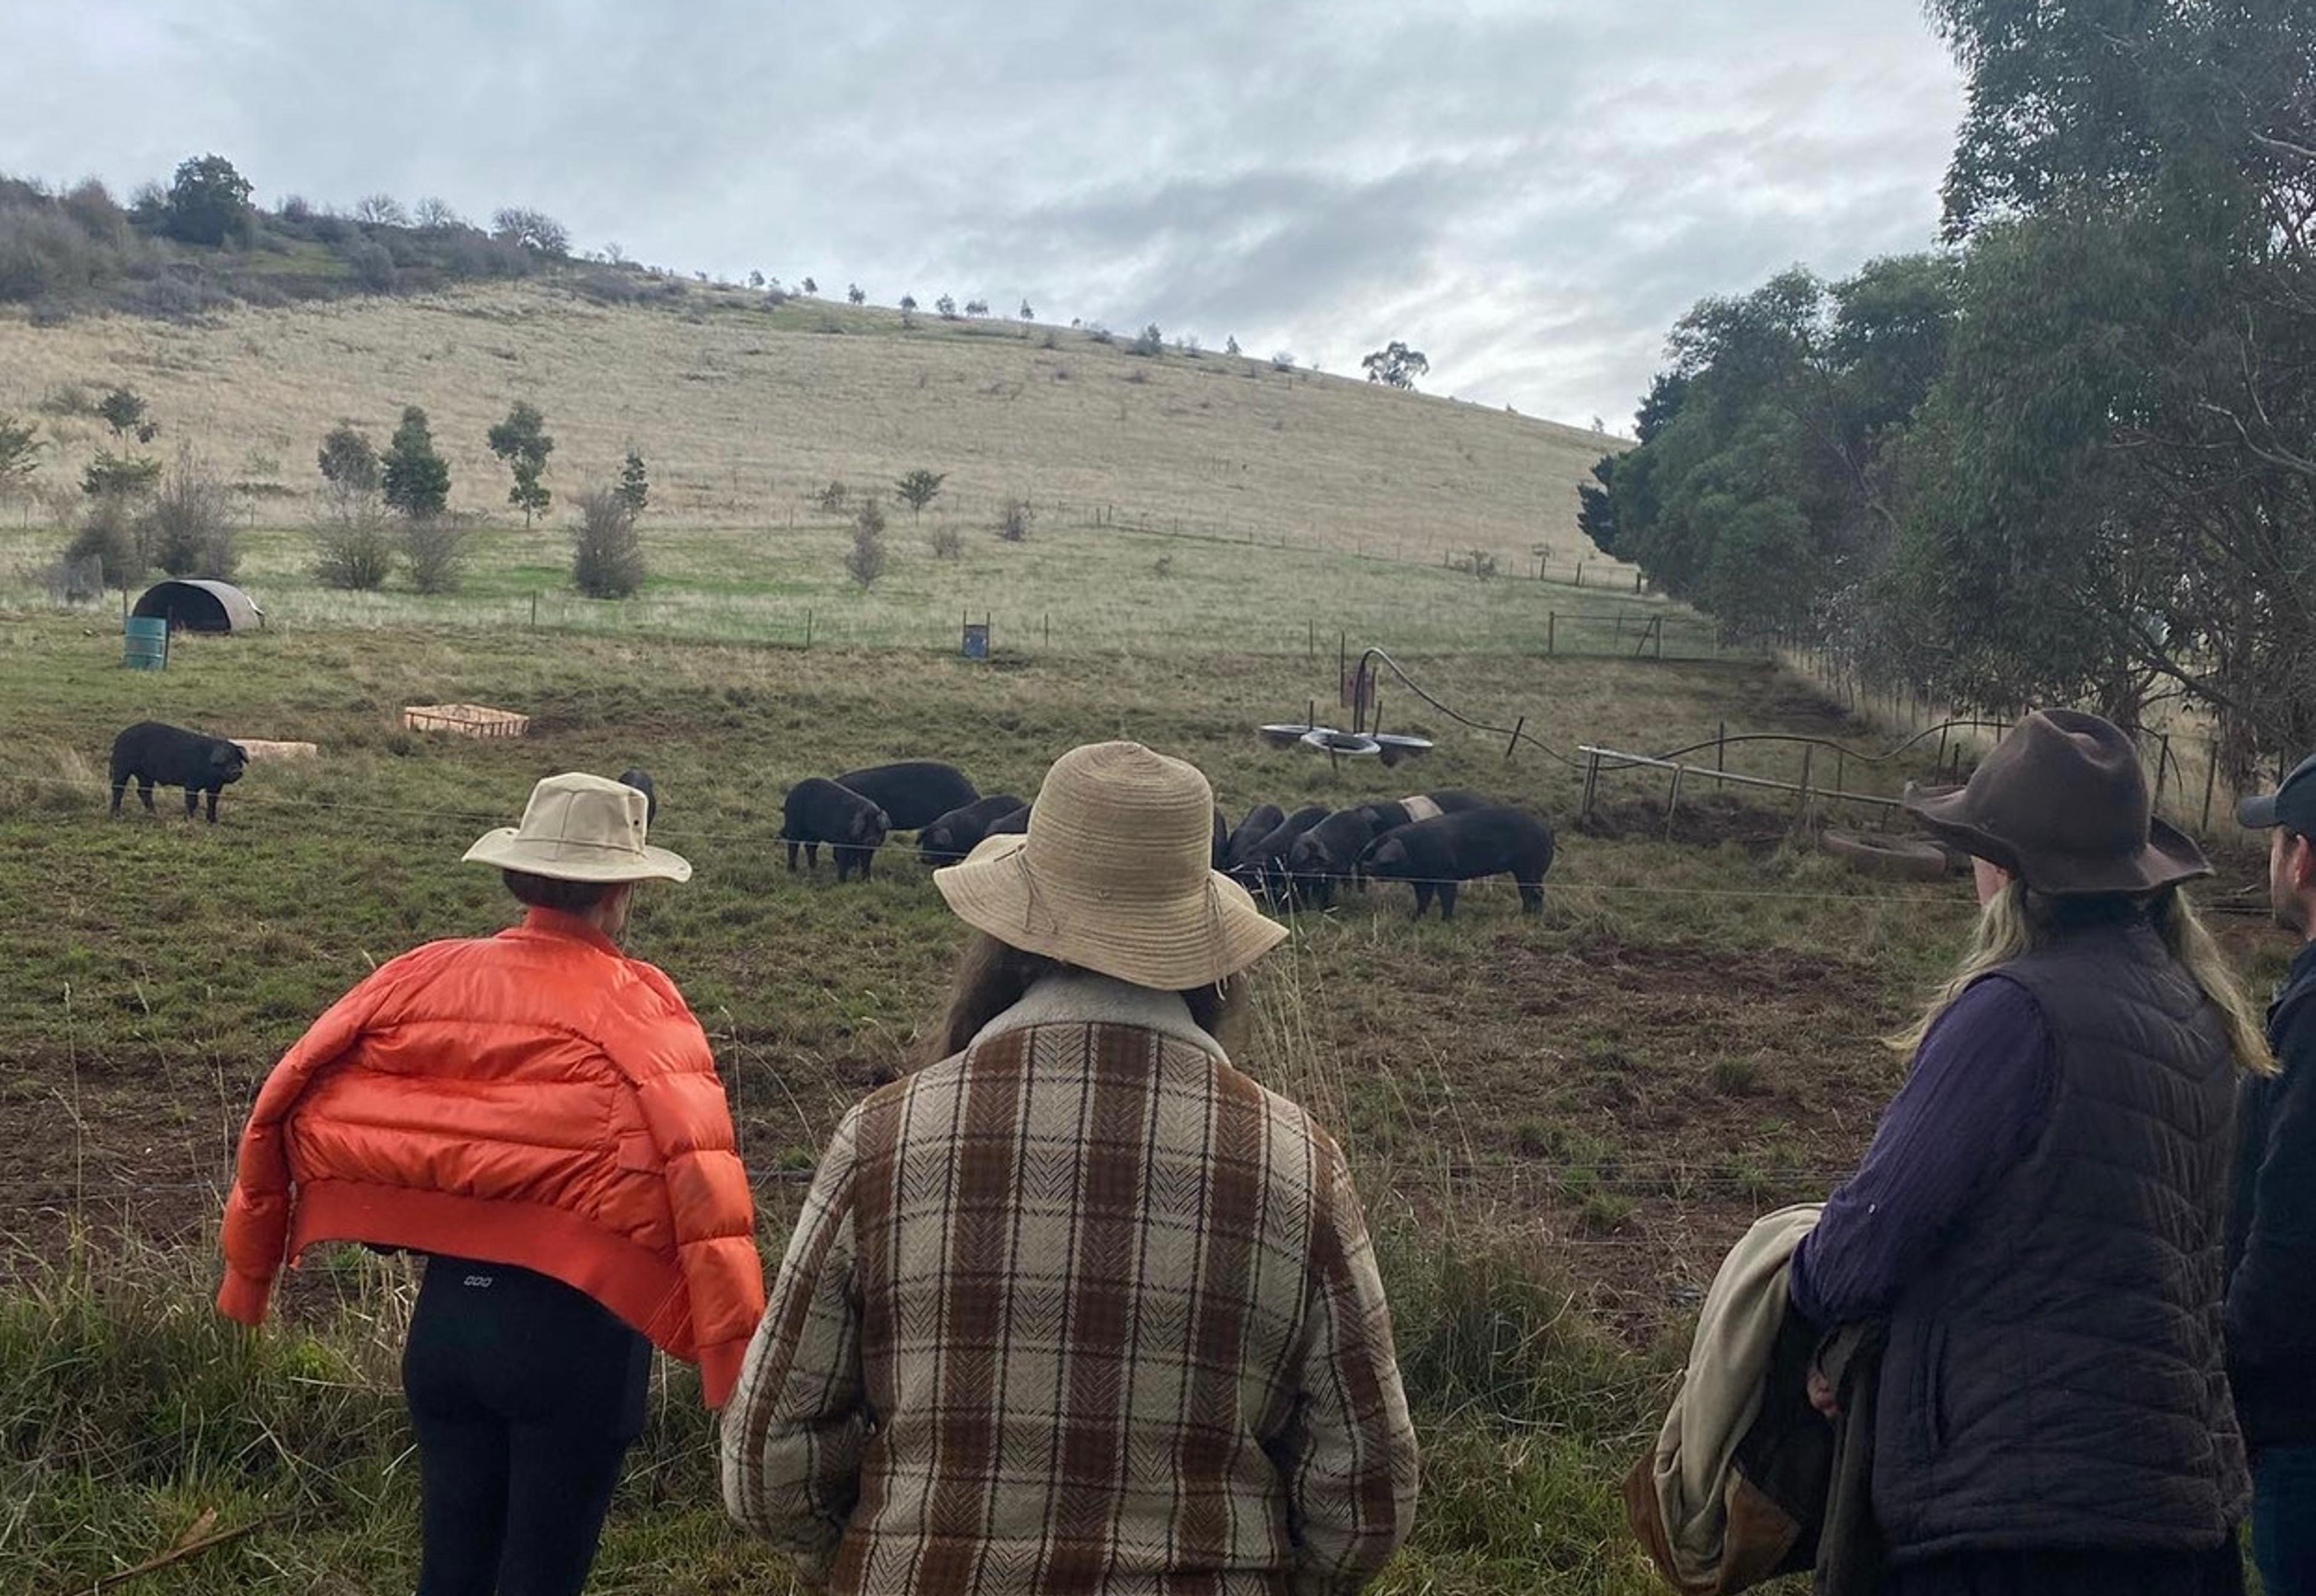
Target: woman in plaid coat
[1079,1307]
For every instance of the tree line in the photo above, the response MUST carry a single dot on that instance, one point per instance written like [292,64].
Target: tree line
[2069,457]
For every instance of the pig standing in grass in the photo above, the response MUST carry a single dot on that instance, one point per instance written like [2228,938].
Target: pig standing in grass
[912,793]
[641,781]
[150,753]
[1328,854]
[818,810]
[957,833]
[1434,855]
[1260,822]
[1263,868]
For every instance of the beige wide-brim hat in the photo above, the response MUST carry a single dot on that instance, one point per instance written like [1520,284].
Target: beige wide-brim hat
[582,828]
[1115,875]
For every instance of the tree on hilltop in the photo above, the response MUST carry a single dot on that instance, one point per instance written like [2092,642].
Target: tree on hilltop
[1395,366]
[208,201]
[531,229]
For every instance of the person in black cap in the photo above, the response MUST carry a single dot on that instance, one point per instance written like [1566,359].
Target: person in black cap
[2271,1317]
[2041,1217]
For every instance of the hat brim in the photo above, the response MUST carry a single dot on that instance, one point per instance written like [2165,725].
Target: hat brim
[2170,857]
[2259,813]
[1195,941]
[506,849]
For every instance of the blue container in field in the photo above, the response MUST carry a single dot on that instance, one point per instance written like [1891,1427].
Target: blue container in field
[145,642]
[976,639]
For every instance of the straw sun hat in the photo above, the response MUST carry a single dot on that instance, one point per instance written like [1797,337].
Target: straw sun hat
[580,827]
[1115,875]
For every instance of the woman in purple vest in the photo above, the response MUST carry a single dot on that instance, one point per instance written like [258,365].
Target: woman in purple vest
[2041,1216]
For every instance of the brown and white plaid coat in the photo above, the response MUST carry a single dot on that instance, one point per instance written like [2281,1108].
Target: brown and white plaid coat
[1080,1309]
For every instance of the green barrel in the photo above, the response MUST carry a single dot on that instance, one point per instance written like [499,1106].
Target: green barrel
[145,644]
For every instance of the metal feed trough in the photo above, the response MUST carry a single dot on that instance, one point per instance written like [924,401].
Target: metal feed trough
[465,720]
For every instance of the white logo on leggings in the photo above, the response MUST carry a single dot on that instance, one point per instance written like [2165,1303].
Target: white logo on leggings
[476,1280]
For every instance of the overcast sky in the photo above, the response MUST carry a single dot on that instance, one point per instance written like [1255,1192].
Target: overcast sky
[1529,190]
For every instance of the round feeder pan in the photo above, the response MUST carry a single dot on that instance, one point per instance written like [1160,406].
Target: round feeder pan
[1396,747]
[1352,743]
[1283,736]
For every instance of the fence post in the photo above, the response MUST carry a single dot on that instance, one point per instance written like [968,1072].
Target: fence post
[1592,785]
[1801,809]
[2162,769]
[1673,799]
[1619,644]
[534,610]
[1720,749]
[1512,747]
[1551,626]
[2210,776]
[1660,620]
[807,627]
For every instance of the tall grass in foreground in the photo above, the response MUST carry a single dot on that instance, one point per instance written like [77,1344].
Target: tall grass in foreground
[128,1410]
[132,1418]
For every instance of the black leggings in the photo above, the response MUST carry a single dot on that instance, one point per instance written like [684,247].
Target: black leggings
[524,1395]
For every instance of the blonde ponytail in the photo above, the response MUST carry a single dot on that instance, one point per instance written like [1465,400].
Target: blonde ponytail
[2016,922]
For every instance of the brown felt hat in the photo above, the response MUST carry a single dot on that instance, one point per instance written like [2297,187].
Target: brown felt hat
[2061,803]
[1115,876]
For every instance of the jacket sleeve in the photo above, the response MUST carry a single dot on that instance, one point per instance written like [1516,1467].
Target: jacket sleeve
[257,1210]
[793,1437]
[2271,1308]
[1350,1459]
[713,1209]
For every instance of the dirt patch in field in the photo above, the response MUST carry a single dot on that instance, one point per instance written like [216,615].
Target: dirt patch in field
[1708,821]
[1635,1107]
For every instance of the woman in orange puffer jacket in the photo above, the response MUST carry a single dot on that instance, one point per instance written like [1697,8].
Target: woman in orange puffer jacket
[540,1115]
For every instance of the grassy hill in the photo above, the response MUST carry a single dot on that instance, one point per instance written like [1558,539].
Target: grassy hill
[746,409]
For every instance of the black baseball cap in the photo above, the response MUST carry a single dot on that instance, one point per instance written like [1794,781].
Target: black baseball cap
[2292,805]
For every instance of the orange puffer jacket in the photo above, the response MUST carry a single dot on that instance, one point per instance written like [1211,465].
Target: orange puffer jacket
[534,1098]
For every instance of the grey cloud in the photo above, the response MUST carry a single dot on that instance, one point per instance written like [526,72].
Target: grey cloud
[1529,189]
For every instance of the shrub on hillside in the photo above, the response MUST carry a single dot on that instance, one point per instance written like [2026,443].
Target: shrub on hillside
[119,476]
[435,545]
[864,562]
[190,532]
[1013,521]
[607,553]
[353,546]
[948,543]
[1149,341]
[109,533]
[833,498]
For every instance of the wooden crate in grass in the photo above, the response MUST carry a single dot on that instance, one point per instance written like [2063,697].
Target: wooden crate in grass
[465,720]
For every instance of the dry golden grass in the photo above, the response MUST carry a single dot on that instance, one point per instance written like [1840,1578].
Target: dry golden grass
[744,411]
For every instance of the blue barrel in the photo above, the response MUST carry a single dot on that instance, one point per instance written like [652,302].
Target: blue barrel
[145,644]
[976,639]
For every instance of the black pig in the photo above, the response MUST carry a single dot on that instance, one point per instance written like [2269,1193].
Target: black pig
[1264,867]
[954,834]
[1261,821]
[1435,854]
[912,793]
[1221,838]
[818,811]
[149,752]
[1328,854]
[641,781]
[1016,824]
